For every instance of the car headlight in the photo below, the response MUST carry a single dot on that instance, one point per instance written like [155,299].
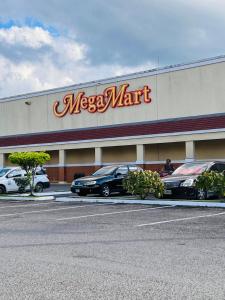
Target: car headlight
[75,182]
[188,182]
[90,182]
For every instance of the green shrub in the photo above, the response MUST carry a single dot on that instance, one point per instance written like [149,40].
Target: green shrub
[143,183]
[211,181]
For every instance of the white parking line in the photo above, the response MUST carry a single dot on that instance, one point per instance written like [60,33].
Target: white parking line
[28,205]
[181,219]
[45,210]
[112,213]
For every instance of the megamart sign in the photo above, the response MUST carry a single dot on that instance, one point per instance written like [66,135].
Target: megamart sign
[111,97]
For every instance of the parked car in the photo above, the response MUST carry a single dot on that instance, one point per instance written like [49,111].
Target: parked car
[182,181]
[8,184]
[104,181]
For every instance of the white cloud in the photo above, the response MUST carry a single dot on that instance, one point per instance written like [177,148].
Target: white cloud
[64,62]
[25,36]
[68,49]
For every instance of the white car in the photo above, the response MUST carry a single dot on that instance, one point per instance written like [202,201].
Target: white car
[8,184]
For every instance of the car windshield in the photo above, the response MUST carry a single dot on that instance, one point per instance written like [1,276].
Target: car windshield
[191,169]
[3,172]
[105,171]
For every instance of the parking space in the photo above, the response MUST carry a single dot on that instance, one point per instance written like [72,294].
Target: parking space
[53,250]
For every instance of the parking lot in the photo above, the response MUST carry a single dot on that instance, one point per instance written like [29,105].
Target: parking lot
[54,250]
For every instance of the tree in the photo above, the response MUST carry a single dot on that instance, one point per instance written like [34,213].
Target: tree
[29,161]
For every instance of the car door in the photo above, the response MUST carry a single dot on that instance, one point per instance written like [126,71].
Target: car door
[11,184]
[120,174]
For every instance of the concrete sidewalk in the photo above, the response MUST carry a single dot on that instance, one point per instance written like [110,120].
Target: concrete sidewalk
[148,202]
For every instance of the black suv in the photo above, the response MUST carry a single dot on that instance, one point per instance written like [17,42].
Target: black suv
[104,181]
[182,181]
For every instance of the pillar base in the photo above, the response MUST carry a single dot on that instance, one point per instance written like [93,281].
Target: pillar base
[61,173]
[96,167]
[189,159]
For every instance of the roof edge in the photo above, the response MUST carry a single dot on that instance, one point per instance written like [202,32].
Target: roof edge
[151,72]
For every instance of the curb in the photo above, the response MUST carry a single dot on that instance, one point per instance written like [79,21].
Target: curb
[38,196]
[43,194]
[146,202]
[52,193]
[27,198]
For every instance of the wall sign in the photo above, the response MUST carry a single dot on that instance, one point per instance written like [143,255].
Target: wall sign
[111,97]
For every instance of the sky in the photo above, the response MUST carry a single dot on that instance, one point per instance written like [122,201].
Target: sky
[54,43]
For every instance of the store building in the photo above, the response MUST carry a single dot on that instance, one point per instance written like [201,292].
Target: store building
[175,112]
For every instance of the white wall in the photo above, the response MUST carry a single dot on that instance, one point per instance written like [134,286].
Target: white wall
[188,92]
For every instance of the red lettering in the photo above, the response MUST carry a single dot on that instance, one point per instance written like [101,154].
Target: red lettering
[112,97]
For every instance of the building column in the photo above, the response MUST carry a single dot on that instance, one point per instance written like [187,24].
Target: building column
[140,155]
[61,166]
[190,151]
[98,157]
[1,160]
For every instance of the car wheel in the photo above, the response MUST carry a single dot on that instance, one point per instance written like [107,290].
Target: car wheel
[201,194]
[2,189]
[105,190]
[39,187]
[82,194]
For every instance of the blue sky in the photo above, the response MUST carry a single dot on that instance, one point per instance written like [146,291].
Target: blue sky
[46,44]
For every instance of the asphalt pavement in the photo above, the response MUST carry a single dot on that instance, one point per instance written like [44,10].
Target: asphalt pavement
[51,250]
[56,187]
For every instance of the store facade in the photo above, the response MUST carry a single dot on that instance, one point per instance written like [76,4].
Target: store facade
[176,112]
